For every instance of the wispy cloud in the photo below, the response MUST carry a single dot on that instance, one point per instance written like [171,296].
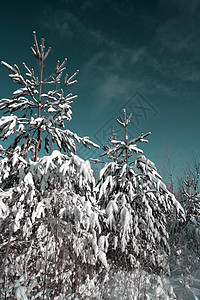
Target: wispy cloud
[168,57]
[177,41]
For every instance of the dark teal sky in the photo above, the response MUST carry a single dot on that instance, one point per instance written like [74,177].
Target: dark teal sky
[141,55]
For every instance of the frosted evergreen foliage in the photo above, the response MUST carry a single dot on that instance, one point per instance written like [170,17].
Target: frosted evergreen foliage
[136,203]
[50,226]
[44,111]
[49,218]
[185,238]
[191,204]
[189,230]
[62,236]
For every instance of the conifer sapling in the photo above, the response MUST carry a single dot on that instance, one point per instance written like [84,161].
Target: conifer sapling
[136,202]
[44,114]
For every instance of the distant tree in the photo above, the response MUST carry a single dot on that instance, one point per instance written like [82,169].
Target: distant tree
[137,204]
[191,204]
[43,114]
[185,235]
[188,232]
[169,169]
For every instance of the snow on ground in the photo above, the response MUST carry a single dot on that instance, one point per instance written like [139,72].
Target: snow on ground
[187,287]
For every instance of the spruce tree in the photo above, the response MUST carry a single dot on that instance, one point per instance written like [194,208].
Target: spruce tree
[49,219]
[136,203]
[186,233]
[191,204]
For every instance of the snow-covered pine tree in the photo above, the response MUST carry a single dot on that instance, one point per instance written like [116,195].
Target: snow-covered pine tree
[44,114]
[186,233]
[48,216]
[191,205]
[137,204]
